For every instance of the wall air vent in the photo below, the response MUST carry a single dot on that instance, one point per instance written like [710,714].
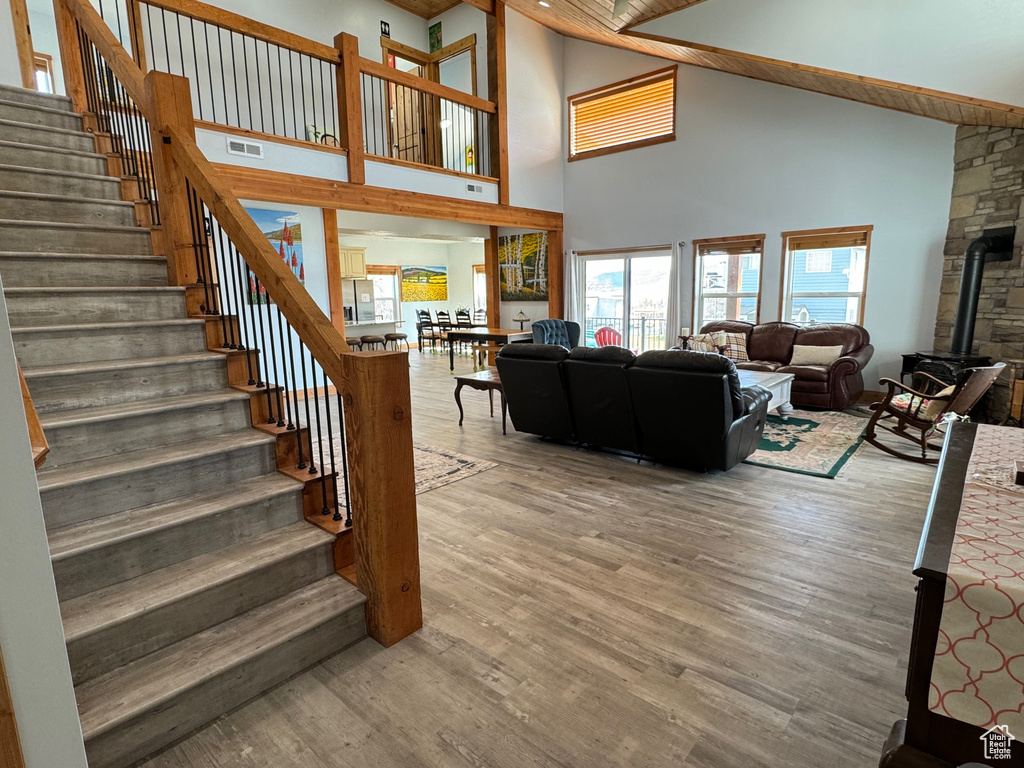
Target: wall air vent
[246,148]
[478,188]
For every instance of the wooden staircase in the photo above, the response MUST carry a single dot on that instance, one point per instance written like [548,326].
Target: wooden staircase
[188,577]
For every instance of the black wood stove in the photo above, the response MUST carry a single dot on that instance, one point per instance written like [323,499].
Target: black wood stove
[993,245]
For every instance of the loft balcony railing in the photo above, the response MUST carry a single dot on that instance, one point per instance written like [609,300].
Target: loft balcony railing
[251,77]
[340,417]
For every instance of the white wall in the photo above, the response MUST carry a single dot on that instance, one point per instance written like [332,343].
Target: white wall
[536,113]
[10,69]
[459,22]
[753,157]
[971,48]
[31,633]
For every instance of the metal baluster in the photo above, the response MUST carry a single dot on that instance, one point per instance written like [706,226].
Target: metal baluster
[250,335]
[280,83]
[223,78]
[344,464]
[167,45]
[201,276]
[195,65]
[294,424]
[305,399]
[302,90]
[209,71]
[270,90]
[248,92]
[330,451]
[152,40]
[320,438]
[291,88]
[332,76]
[259,84]
[234,79]
[284,372]
[263,349]
[224,294]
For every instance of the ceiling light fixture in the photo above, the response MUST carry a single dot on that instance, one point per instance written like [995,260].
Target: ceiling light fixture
[541,2]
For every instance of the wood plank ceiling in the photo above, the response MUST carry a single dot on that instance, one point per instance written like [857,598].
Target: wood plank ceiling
[592,20]
[426,9]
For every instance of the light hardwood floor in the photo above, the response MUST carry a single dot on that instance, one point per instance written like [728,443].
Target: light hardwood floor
[581,610]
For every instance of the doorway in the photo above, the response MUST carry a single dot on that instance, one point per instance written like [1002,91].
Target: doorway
[626,295]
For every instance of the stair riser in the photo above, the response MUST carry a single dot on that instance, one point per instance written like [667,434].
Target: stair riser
[93,440]
[120,561]
[26,113]
[61,391]
[25,134]
[38,237]
[115,645]
[50,160]
[44,348]
[25,96]
[73,271]
[197,706]
[108,495]
[34,309]
[26,180]
[67,211]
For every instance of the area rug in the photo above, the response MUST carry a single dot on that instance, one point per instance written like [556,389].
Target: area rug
[810,442]
[435,467]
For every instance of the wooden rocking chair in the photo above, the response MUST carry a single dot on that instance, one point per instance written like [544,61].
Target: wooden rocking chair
[918,414]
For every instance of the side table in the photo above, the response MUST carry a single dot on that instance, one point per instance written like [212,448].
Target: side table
[486,381]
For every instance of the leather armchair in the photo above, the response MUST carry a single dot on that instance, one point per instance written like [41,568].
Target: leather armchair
[531,377]
[564,333]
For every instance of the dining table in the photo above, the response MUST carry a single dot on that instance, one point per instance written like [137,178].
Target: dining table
[500,336]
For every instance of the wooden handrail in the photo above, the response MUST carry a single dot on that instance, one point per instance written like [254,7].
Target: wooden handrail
[246,26]
[40,446]
[385,72]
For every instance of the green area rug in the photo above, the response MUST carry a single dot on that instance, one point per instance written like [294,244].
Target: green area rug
[814,443]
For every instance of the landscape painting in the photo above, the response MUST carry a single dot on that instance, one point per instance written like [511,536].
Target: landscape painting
[523,260]
[424,283]
[284,231]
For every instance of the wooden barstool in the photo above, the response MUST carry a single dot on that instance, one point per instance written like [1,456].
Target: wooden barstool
[371,342]
[355,343]
[394,339]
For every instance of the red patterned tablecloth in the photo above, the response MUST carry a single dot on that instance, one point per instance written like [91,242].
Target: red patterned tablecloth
[978,674]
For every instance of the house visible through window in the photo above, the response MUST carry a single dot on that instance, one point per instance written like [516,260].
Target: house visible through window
[825,273]
[385,292]
[633,113]
[727,274]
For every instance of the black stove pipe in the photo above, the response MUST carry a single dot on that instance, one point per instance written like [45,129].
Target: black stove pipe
[994,245]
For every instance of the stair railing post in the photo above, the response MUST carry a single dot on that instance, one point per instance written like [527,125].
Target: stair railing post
[382,487]
[350,106]
[71,57]
[170,102]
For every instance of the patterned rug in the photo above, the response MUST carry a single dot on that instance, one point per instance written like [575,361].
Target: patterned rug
[435,467]
[814,443]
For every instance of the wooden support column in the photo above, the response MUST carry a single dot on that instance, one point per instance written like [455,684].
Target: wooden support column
[350,106]
[23,41]
[10,742]
[135,33]
[492,273]
[378,413]
[70,56]
[498,93]
[333,252]
[171,101]
[556,275]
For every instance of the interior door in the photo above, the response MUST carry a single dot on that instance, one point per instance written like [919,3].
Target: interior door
[606,303]
[407,123]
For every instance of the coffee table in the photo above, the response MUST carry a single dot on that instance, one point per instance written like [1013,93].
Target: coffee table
[778,384]
[487,381]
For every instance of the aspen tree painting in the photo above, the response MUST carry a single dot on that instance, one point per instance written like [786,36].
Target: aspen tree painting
[524,267]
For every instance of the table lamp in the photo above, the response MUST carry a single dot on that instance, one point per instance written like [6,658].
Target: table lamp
[521,319]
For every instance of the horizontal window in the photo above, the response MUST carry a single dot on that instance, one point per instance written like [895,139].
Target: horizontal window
[632,113]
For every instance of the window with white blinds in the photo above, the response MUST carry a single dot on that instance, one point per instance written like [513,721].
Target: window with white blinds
[633,113]
[727,276]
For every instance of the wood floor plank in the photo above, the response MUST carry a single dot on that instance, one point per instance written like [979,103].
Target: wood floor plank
[583,609]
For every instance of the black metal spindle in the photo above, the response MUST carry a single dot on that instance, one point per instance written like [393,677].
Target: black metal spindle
[167,45]
[259,84]
[209,70]
[246,328]
[320,438]
[290,421]
[263,347]
[344,464]
[330,449]
[248,91]
[305,399]
[223,78]
[295,394]
[223,292]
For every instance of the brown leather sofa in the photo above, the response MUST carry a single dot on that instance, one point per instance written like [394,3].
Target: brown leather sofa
[770,348]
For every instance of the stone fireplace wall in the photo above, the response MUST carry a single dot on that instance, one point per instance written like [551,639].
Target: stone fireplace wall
[988,191]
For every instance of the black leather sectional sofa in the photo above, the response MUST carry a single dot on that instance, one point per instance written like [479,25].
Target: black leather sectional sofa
[676,407]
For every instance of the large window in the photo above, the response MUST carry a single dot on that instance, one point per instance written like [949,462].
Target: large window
[727,277]
[385,292]
[633,113]
[825,273]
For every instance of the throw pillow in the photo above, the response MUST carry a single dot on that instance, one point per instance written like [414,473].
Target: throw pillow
[815,355]
[734,345]
[937,402]
[704,342]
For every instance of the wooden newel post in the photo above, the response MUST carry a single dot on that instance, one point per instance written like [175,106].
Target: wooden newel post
[170,98]
[350,106]
[70,57]
[382,488]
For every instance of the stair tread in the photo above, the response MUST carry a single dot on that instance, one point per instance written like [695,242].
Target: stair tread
[73,225]
[70,328]
[17,90]
[57,172]
[8,123]
[125,693]
[123,526]
[110,290]
[89,613]
[126,463]
[28,146]
[117,365]
[49,196]
[137,407]
[40,107]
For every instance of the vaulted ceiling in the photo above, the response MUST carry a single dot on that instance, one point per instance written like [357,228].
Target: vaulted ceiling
[593,20]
